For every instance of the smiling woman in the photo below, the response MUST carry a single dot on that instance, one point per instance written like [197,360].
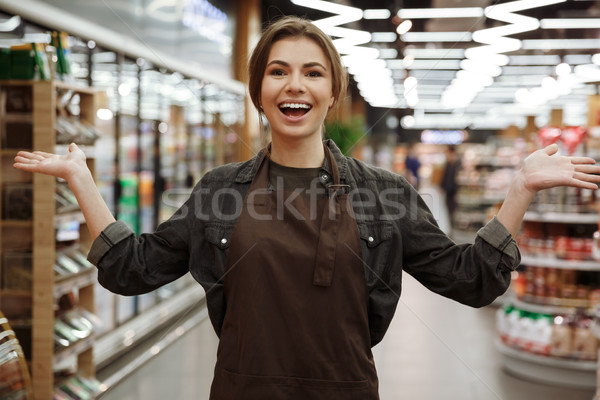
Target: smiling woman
[301,250]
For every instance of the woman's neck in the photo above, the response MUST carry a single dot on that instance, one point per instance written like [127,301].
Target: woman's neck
[300,153]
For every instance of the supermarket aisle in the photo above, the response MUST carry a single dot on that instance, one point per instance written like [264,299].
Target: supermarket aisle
[435,349]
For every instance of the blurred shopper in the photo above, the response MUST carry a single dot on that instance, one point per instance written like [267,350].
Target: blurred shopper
[448,184]
[412,164]
[301,250]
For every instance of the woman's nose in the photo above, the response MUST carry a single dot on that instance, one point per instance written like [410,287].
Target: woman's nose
[295,83]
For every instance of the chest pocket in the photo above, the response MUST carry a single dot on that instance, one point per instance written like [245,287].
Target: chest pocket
[218,238]
[375,243]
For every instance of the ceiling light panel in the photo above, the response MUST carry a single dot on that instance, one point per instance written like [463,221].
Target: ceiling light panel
[458,12]
[555,44]
[534,60]
[377,14]
[436,37]
[570,23]
[434,53]
[385,37]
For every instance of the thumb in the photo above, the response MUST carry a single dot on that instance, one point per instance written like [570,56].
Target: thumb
[551,149]
[73,147]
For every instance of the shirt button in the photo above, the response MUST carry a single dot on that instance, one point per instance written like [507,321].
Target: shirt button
[371,240]
[223,241]
[324,177]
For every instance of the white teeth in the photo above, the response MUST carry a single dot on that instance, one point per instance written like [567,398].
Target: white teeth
[295,105]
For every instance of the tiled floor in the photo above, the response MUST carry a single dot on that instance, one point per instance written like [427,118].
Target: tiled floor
[435,349]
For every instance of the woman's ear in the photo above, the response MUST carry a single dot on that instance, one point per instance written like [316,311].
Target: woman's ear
[331,101]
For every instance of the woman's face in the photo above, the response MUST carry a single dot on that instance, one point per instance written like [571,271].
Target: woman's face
[296,88]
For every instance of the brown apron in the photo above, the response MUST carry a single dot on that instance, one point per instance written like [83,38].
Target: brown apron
[296,325]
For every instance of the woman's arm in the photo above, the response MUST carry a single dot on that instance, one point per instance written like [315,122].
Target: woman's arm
[72,168]
[544,169]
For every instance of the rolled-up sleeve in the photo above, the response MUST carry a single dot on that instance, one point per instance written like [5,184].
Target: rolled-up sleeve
[111,235]
[496,235]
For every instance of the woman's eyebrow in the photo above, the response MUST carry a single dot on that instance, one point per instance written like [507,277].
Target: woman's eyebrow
[306,65]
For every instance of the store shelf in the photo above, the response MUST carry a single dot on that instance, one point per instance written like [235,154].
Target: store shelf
[548,370]
[567,218]
[111,344]
[73,350]
[15,293]
[70,86]
[66,284]
[551,309]
[552,262]
[13,223]
[11,152]
[75,216]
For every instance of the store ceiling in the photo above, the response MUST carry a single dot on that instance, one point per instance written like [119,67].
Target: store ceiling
[479,64]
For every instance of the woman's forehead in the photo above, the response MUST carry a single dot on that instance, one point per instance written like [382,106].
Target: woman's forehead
[298,48]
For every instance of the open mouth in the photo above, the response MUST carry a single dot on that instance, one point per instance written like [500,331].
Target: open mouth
[294,109]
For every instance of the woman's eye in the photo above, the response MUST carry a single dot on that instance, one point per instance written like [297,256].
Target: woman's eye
[277,72]
[314,74]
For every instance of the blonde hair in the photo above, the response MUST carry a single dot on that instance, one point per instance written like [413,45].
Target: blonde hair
[294,27]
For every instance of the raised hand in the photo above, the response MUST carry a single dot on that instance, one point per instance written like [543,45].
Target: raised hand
[544,169]
[61,166]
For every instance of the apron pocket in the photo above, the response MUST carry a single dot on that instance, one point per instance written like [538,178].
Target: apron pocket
[292,382]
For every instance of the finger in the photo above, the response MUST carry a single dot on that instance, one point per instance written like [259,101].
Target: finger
[584,184]
[552,149]
[588,169]
[43,154]
[73,147]
[582,160]
[586,177]
[25,166]
[19,159]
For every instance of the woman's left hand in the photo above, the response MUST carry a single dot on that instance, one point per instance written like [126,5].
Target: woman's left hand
[544,169]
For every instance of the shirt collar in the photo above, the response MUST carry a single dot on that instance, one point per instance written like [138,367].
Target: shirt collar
[249,168]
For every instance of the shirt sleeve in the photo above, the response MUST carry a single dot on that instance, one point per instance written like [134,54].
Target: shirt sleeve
[473,274]
[130,265]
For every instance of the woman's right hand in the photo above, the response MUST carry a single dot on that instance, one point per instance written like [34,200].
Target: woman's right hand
[62,166]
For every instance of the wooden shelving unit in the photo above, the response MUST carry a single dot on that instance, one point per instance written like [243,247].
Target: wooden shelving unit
[37,236]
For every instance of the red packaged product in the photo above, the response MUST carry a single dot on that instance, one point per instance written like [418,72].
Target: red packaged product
[571,137]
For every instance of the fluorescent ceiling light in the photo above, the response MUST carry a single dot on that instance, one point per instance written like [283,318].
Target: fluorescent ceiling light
[590,72]
[554,44]
[388,53]
[435,53]
[520,5]
[404,27]
[528,70]
[436,37]
[386,37]
[570,23]
[481,67]
[376,14]
[434,64]
[534,60]
[457,12]
[429,74]
[576,59]
[330,7]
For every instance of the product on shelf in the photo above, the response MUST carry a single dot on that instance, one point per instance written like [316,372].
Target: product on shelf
[558,287]
[16,271]
[72,326]
[562,336]
[17,201]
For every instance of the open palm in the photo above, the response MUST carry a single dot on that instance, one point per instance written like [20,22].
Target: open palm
[61,166]
[544,169]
